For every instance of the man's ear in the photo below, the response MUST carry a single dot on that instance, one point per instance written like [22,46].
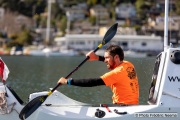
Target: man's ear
[116,57]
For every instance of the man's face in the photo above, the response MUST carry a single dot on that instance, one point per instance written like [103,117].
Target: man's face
[109,60]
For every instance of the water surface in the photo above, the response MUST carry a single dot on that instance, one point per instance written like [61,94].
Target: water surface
[30,74]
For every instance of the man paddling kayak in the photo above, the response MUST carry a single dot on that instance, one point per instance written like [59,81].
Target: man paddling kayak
[122,79]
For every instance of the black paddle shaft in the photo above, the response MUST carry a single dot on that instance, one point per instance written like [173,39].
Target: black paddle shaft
[74,70]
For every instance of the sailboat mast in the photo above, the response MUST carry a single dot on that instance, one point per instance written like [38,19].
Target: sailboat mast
[166,25]
[49,2]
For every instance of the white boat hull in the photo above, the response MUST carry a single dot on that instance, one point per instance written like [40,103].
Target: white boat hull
[59,107]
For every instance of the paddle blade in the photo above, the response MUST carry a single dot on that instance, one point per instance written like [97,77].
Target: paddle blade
[110,33]
[32,106]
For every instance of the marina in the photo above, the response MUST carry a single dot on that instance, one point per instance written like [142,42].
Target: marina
[79,44]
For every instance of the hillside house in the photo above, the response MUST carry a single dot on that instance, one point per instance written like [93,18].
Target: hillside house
[101,13]
[76,12]
[125,11]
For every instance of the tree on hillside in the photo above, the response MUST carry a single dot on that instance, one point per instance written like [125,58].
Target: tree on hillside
[62,25]
[142,7]
[91,2]
[24,38]
[25,7]
[10,4]
[177,4]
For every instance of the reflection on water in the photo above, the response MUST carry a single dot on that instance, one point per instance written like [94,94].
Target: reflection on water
[30,74]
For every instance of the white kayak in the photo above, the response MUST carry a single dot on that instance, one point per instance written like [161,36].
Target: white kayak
[59,107]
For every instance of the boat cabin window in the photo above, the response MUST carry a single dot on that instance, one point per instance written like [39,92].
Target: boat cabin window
[153,97]
[80,43]
[72,43]
[144,44]
[124,44]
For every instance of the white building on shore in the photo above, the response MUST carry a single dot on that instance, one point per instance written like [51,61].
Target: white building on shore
[137,43]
